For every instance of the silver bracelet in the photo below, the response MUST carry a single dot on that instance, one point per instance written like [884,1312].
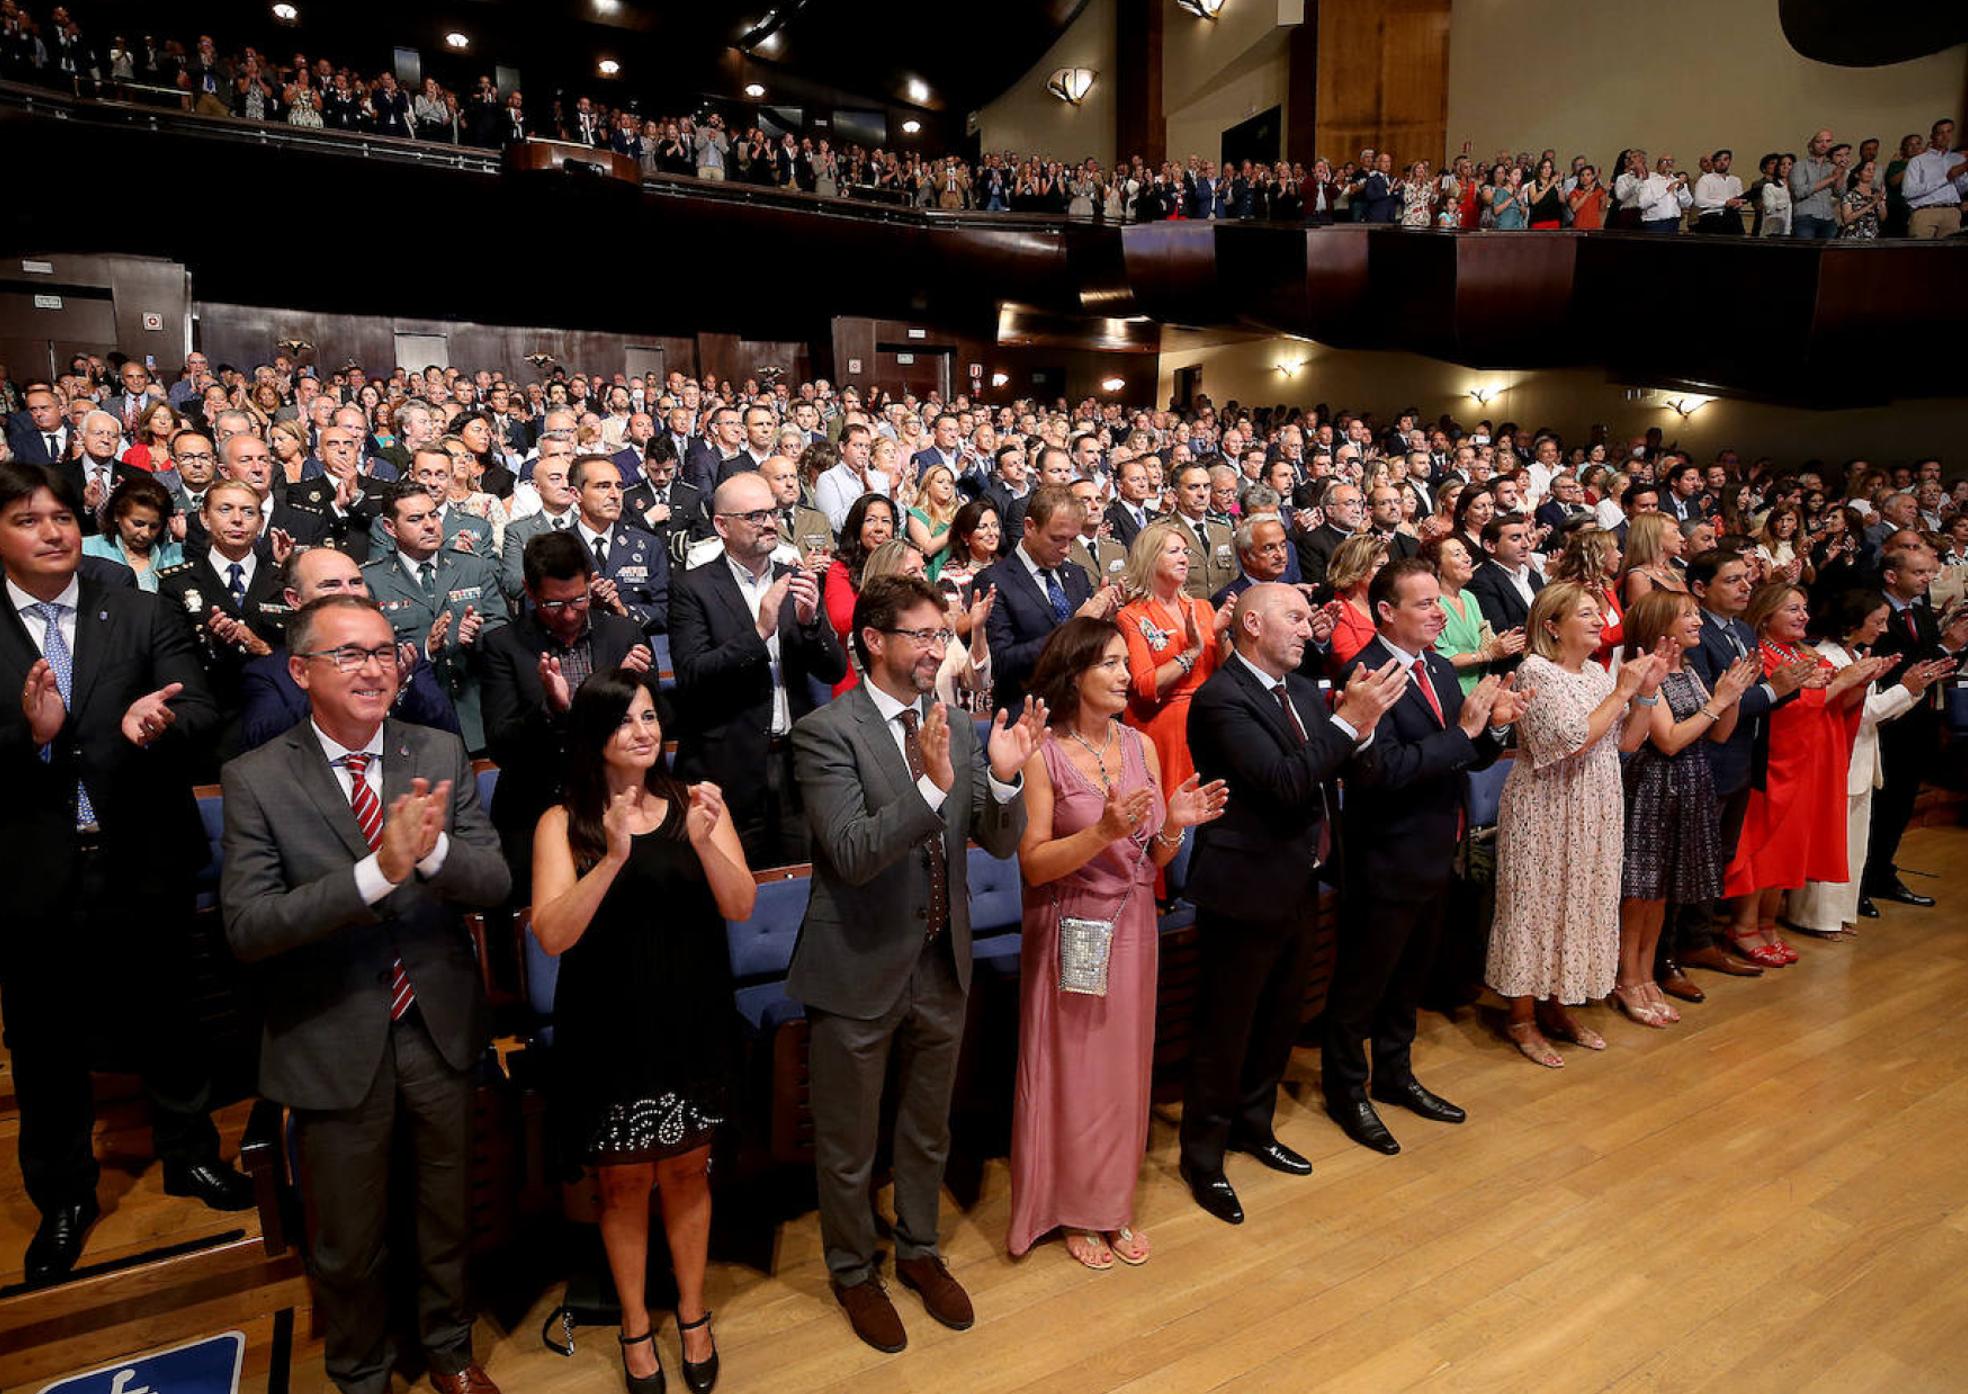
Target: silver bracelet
[1648,701]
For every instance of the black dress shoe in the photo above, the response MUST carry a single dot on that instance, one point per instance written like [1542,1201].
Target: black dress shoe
[219,1187]
[1213,1192]
[1357,1119]
[1275,1155]
[57,1242]
[1410,1094]
[1867,910]
[1897,892]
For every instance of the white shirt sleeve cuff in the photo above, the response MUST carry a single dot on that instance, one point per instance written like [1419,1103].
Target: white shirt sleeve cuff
[1003,792]
[434,863]
[931,794]
[370,883]
[1346,726]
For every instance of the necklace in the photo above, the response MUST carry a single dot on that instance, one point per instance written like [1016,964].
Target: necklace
[1100,755]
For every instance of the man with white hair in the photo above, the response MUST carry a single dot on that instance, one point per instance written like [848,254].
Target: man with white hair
[99,470]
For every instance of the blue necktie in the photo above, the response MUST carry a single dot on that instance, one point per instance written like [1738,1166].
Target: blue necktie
[236,584]
[1056,593]
[54,648]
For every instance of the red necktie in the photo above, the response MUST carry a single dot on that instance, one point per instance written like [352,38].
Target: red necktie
[369,817]
[1421,681]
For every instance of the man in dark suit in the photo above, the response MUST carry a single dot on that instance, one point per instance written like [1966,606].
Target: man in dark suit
[352,844]
[749,644]
[944,447]
[1342,507]
[1567,502]
[272,703]
[636,437]
[1129,513]
[631,563]
[1720,583]
[1038,590]
[101,831]
[894,790]
[1009,491]
[1254,876]
[38,434]
[1909,747]
[1501,582]
[95,475]
[672,511]
[532,669]
[717,452]
[1384,522]
[1403,819]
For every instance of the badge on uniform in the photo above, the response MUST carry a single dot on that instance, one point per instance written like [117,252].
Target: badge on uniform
[194,602]
[465,593]
[1223,554]
[632,573]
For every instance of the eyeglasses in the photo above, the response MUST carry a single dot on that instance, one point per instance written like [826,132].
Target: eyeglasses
[350,658]
[757,517]
[554,607]
[927,638]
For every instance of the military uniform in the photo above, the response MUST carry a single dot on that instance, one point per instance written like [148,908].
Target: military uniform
[639,565]
[512,561]
[1212,558]
[1101,566]
[460,582]
[193,588]
[456,520]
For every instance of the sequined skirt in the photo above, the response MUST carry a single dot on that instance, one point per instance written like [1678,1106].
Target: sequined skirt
[652,1130]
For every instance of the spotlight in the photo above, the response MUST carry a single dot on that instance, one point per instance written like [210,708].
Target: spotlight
[1112,384]
[911,126]
[918,90]
[1201,9]
[285,13]
[456,40]
[754,90]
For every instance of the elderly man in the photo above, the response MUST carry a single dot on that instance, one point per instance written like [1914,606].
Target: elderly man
[94,476]
[1343,508]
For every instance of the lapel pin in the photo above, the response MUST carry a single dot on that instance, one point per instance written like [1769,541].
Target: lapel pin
[102,614]
[404,751]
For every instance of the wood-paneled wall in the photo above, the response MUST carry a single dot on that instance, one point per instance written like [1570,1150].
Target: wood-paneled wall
[1383,78]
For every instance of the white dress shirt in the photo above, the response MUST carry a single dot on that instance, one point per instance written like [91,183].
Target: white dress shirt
[1926,183]
[891,712]
[753,589]
[248,566]
[837,489]
[37,628]
[1713,192]
[370,883]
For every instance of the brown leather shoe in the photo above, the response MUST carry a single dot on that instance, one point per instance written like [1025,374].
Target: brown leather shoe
[1713,959]
[470,1380]
[1676,983]
[942,1296]
[872,1315]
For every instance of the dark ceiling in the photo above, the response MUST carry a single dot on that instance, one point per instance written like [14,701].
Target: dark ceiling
[673,55]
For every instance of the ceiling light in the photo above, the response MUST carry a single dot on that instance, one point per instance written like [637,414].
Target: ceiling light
[286,13]
[1201,9]
[911,126]
[1112,384]
[609,67]
[456,40]
[1071,85]
[754,90]
[918,90]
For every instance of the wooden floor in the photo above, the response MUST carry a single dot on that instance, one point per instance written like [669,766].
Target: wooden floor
[1771,1196]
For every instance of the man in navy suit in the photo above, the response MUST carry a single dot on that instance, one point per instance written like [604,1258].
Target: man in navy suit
[633,572]
[38,434]
[1129,514]
[1254,876]
[1038,590]
[1403,820]
[635,442]
[943,447]
[1501,582]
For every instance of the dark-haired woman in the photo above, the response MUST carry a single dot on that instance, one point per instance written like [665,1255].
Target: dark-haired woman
[633,878]
[870,522]
[1096,832]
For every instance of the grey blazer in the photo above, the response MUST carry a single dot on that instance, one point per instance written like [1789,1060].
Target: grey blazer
[322,956]
[870,895]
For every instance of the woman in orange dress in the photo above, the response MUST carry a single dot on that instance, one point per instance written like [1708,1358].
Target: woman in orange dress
[1174,643]
[1794,829]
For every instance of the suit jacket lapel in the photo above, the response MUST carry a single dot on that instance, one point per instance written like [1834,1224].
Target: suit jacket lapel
[880,741]
[313,774]
[93,637]
[1267,705]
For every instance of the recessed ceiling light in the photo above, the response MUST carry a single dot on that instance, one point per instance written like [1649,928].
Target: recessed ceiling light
[609,67]
[456,40]
[286,14]
[753,90]
[918,90]
[909,128]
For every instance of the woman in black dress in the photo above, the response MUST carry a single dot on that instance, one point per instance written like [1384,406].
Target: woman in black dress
[633,878]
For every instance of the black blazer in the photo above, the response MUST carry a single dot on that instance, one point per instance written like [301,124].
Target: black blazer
[689,512]
[30,448]
[1403,806]
[127,644]
[1259,862]
[1502,606]
[1022,620]
[526,740]
[1743,758]
[1123,525]
[1315,551]
[71,470]
[724,679]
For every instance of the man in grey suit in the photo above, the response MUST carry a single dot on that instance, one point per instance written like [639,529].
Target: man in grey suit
[352,844]
[557,514]
[883,959]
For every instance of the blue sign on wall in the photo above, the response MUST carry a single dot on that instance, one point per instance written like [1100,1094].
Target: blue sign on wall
[208,1366]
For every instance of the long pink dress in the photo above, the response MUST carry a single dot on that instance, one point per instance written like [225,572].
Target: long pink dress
[1080,1119]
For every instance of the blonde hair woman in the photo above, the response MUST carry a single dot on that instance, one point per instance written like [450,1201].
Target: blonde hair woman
[1349,573]
[1175,641]
[465,494]
[964,679]
[289,443]
[1592,558]
[1653,541]
[930,517]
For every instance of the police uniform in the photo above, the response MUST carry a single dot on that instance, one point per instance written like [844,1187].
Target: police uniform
[639,565]
[1101,566]
[1212,559]
[461,582]
[193,588]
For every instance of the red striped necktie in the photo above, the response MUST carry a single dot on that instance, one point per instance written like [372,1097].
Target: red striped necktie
[369,817]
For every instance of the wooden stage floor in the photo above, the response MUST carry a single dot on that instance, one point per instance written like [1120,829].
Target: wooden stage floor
[1771,1196]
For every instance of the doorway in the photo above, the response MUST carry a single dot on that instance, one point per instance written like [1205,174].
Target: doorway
[915,368]
[1188,381]
[646,363]
[416,352]
[1256,140]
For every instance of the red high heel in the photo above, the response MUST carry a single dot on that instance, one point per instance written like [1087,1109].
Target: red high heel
[1752,947]
[1775,941]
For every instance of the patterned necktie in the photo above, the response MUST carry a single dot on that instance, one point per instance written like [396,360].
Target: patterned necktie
[1056,593]
[236,584]
[54,648]
[939,871]
[368,810]
[1421,681]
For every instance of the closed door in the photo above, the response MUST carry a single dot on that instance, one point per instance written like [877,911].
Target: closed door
[417,352]
[645,363]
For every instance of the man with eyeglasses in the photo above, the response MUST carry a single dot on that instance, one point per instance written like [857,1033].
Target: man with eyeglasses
[1343,508]
[101,828]
[354,844]
[750,645]
[438,598]
[719,451]
[632,572]
[533,668]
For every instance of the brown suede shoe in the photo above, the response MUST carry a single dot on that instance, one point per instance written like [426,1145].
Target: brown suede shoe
[942,1296]
[470,1380]
[872,1315]
[1716,961]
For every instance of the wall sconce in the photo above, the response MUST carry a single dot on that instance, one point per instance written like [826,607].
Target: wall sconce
[1293,368]
[1482,395]
[1201,9]
[1112,384]
[1685,407]
[1000,379]
[1071,85]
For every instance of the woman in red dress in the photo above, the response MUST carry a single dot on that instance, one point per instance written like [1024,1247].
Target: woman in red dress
[156,424]
[870,522]
[1174,642]
[1349,573]
[1794,830]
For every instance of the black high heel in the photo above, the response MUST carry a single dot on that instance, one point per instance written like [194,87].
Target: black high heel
[644,1384]
[699,1376]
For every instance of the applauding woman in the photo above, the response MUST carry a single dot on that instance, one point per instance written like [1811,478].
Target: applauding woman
[1174,642]
[1096,831]
[633,879]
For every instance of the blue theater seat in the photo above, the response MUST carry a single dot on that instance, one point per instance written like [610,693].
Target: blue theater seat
[1485,797]
[211,813]
[659,645]
[1956,702]
[762,950]
[488,781]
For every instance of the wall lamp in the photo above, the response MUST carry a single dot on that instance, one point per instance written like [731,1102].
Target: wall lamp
[1482,395]
[1685,407]
[1112,384]
[1201,9]
[1071,85]
[1291,369]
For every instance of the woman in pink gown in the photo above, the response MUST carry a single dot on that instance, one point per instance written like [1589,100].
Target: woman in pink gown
[1097,830]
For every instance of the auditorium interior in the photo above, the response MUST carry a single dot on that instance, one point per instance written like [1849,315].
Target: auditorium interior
[1017,204]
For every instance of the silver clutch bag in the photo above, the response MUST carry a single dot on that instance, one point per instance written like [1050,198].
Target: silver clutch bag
[1084,946]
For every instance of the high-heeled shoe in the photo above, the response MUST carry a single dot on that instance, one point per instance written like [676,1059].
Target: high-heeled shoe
[699,1375]
[1774,941]
[1663,1008]
[642,1384]
[1633,1001]
[1752,947]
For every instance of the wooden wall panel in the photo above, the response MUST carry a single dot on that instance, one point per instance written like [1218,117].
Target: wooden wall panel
[1383,78]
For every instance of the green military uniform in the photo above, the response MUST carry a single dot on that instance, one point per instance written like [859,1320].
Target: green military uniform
[460,581]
